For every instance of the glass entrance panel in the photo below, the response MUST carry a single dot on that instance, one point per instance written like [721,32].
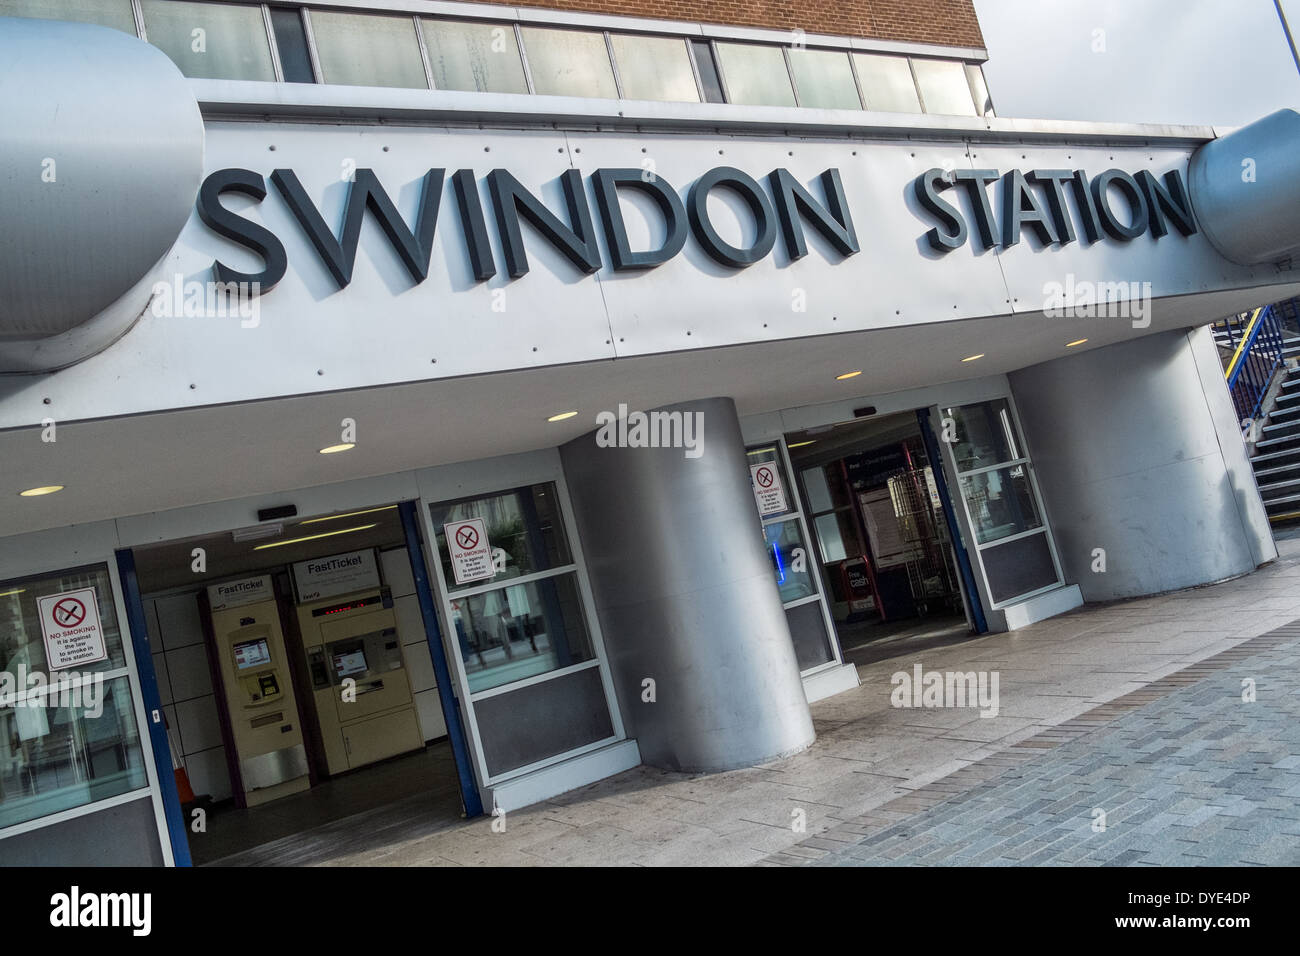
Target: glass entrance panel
[513,598]
[995,478]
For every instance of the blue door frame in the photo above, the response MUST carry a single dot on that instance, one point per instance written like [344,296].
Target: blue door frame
[162,751]
[935,454]
[442,673]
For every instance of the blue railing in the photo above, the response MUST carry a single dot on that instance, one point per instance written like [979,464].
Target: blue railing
[1256,342]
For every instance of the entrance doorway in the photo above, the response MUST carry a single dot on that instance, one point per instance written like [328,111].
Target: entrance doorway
[297,686]
[877,510]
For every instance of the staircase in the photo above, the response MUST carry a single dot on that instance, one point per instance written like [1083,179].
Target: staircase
[1261,352]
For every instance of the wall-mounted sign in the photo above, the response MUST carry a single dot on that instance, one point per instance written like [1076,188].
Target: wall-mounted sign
[1144,204]
[769,494]
[335,575]
[70,625]
[470,550]
[241,592]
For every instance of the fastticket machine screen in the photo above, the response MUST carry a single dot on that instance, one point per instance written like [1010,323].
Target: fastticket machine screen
[252,654]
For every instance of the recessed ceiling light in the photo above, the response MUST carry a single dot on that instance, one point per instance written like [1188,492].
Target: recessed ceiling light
[313,537]
[561,416]
[1070,345]
[335,449]
[971,358]
[800,444]
[349,514]
[840,378]
[43,490]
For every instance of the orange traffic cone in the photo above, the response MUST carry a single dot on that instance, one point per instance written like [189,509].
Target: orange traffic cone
[183,789]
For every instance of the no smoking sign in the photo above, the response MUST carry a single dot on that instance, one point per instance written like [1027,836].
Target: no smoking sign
[71,628]
[769,494]
[471,552]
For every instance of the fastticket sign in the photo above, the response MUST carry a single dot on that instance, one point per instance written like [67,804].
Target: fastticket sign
[338,574]
[1114,205]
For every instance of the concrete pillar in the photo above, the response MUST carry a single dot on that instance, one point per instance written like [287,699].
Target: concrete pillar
[1138,452]
[687,597]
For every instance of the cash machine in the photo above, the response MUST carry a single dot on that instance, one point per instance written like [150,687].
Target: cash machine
[362,695]
[260,701]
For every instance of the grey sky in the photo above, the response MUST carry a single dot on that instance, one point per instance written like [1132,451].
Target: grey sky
[1222,62]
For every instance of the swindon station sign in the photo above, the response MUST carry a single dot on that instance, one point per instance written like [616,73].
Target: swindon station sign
[1113,205]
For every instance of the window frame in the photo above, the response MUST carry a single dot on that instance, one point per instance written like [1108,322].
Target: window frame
[537,469]
[1026,460]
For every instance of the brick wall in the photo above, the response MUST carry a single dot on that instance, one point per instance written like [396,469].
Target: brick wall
[923,21]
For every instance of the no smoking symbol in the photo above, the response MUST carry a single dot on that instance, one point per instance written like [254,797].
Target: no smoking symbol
[466,536]
[68,613]
[765,477]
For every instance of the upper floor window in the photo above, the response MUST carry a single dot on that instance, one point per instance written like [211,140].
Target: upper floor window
[569,62]
[755,75]
[107,13]
[220,41]
[475,57]
[654,68]
[250,41]
[362,49]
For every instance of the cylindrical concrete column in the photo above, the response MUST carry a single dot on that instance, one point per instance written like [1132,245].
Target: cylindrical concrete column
[685,590]
[1138,453]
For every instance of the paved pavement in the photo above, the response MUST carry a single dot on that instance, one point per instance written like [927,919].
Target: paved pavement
[1133,708]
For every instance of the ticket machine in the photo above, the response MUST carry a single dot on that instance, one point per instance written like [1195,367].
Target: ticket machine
[358,677]
[264,723]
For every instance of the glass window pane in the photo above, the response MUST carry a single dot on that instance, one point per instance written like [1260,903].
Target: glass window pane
[785,545]
[824,79]
[708,71]
[812,646]
[22,643]
[1019,567]
[222,41]
[106,13]
[475,57]
[67,749]
[944,88]
[1001,503]
[985,434]
[291,43]
[361,49]
[979,89]
[654,68]
[837,534]
[755,75]
[519,631]
[819,495]
[523,527]
[887,83]
[569,63]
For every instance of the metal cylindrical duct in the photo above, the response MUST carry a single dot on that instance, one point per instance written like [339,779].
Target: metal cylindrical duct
[1245,190]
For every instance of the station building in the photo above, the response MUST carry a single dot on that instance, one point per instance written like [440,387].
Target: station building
[457,404]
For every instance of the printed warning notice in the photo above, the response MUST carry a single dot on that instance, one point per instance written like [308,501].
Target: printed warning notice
[471,553]
[70,624]
[768,493]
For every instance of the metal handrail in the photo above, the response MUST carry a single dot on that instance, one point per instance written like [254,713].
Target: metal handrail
[1247,340]
[1257,356]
